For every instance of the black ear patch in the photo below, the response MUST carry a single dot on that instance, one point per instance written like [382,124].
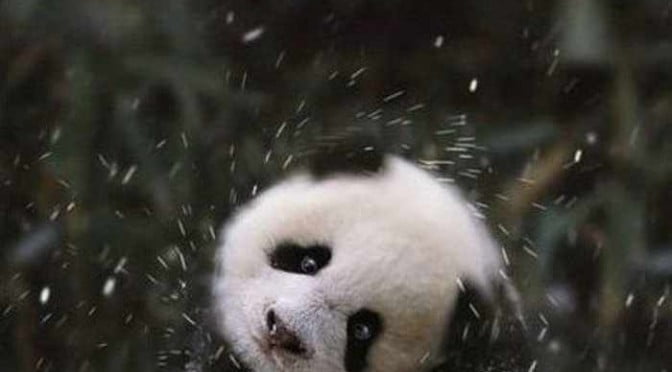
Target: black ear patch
[486,334]
[354,154]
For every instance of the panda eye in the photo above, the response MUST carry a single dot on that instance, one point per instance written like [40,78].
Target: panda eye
[361,332]
[363,328]
[309,265]
[293,258]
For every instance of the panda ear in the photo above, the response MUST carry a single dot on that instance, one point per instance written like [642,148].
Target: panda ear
[485,331]
[354,152]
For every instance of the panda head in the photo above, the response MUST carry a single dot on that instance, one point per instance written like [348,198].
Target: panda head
[355,264]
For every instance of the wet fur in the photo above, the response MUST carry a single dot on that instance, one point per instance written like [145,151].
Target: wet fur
[400,241]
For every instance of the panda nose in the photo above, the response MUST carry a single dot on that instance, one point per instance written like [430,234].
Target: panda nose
[280,336]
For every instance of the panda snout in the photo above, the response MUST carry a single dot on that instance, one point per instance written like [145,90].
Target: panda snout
[280,336]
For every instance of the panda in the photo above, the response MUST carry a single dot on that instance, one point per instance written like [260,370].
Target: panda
[362,261]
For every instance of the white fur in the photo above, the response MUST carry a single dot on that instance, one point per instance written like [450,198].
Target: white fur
[399,239]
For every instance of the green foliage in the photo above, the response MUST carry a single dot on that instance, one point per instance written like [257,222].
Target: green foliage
[129,131]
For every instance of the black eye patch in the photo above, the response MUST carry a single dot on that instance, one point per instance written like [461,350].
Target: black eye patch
[363,328]
[294,258]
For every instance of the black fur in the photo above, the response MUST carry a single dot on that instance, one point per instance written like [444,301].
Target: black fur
[354,153]
[486,334]
[356,351]
[288,256]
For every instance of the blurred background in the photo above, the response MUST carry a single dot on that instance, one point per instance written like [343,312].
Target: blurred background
[130,130]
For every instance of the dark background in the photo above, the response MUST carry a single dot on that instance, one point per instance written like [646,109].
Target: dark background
[129,130]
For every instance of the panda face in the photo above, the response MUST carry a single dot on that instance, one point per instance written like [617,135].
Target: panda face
[348,273]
